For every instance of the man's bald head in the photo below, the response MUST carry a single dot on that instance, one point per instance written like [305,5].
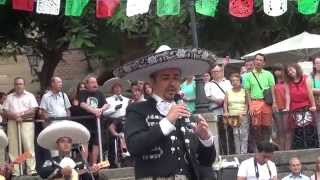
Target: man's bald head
[295,165]
[56,84]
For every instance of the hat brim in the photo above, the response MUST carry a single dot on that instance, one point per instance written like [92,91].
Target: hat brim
[3,139]
[76,131]
[107,86]
[188,61]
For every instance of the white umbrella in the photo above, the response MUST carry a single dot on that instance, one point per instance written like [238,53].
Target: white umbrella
[294,49]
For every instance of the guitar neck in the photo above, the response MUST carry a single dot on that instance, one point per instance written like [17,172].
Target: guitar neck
[100,165]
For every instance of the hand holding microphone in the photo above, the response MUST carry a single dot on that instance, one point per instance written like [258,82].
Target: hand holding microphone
[178,111]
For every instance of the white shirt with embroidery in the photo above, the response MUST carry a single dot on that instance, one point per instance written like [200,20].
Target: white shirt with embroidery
[114,101]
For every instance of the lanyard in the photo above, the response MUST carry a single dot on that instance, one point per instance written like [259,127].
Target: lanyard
[257,170]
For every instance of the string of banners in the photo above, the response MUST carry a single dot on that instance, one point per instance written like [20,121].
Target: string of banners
[106,8]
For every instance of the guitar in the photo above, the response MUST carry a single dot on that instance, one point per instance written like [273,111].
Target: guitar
[75,174]
[20,159]
[95,168]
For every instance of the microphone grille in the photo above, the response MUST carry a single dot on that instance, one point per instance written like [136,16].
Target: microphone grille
[177,97]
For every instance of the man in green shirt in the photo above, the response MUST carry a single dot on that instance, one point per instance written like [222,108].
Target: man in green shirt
[260,112]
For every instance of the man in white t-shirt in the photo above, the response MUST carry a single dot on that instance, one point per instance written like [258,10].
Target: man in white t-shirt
[259,167]
[215,91]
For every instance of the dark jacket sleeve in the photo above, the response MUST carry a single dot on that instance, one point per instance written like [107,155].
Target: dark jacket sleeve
[49,170]
[140,138]
[206,155]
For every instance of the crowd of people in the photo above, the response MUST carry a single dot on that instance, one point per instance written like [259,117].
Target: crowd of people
[251,106]
[278,104]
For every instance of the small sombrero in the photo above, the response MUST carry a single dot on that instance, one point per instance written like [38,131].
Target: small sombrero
[189,61]
[76,131]
[107,86]
[3,139]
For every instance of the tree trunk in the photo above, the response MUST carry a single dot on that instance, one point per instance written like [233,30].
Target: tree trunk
[51,60]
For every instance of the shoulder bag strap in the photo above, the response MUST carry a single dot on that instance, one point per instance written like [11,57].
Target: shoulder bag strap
[257,80]
[219,87]
[64,102]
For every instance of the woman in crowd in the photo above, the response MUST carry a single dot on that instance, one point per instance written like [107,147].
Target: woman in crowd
[75,109]
[316,175]
[136,93]
[188,90]
[315,81]
[75,98]
[280,115]
[302,106]
[147,90]
[235,112]
[206,77]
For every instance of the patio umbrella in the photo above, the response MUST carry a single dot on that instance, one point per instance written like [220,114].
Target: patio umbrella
[294,49]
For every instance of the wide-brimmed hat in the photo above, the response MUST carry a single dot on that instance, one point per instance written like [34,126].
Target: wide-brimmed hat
[3,139]
[107,86]
[188,61]
[76,131]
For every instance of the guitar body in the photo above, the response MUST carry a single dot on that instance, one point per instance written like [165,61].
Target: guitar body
[6,169]
[74,176]
[241,8]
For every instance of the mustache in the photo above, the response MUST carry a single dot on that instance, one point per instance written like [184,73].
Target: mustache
[171,88]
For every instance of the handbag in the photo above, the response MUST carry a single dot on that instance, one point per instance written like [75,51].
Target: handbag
[267,93]
[302,117]
[232,120]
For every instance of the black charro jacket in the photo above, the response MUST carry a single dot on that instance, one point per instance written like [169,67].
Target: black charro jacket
[157,155]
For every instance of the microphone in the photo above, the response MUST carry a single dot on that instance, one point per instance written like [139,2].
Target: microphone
[183,121]
[178,99]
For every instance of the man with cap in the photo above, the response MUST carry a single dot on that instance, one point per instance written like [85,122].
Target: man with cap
[115,113]
[60,136]
[159,136]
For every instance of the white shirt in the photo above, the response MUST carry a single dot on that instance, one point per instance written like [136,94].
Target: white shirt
[247,169]
[23,102]
[299,177]
[165,125]
[214,92]
[114,101]
[54,104]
